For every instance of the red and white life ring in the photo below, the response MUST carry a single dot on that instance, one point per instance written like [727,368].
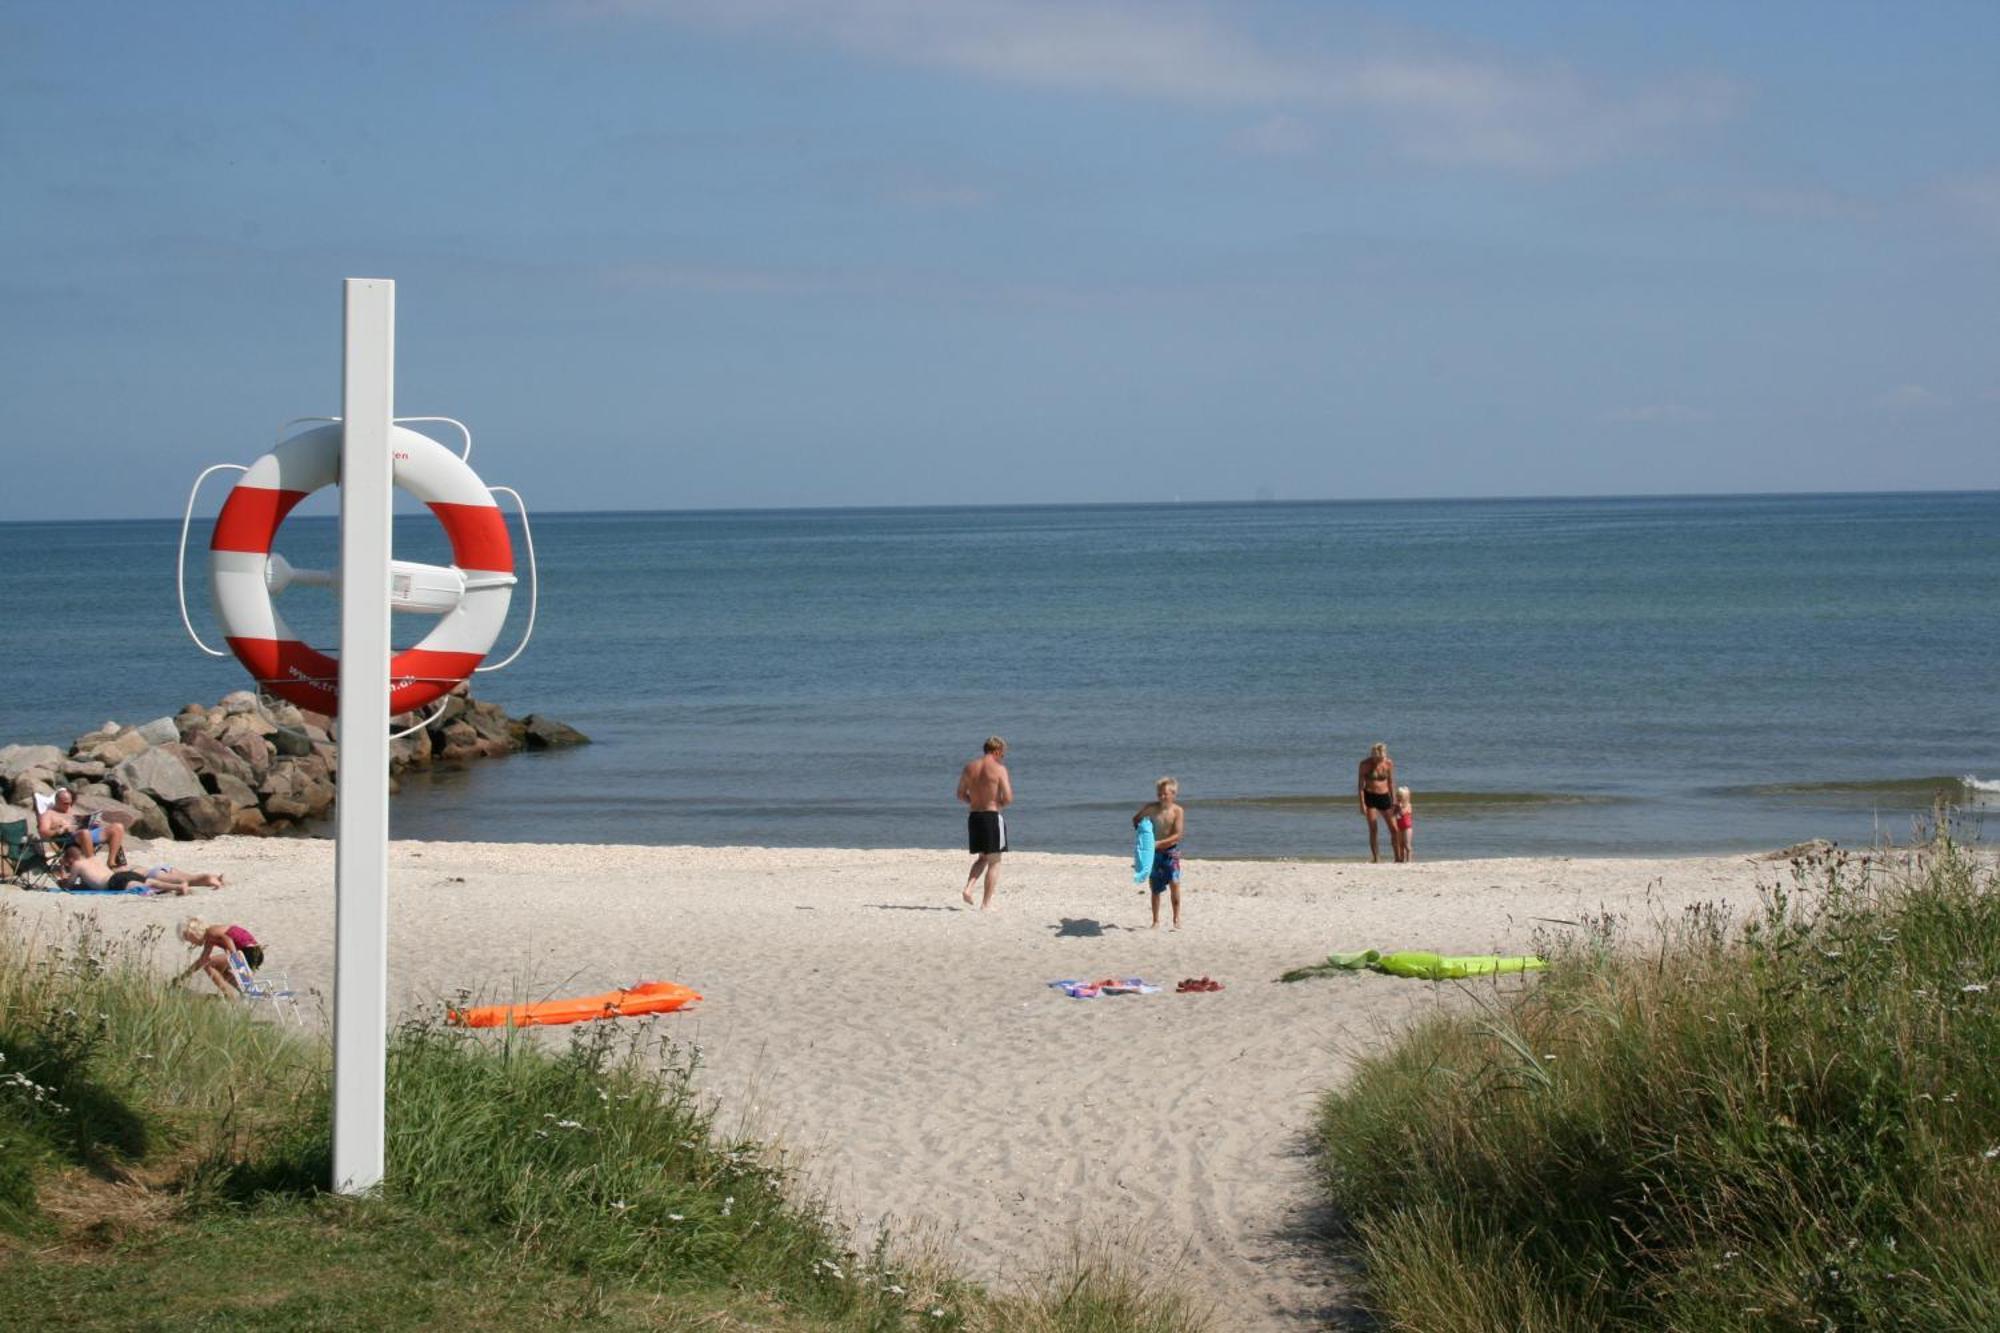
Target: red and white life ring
[241,566]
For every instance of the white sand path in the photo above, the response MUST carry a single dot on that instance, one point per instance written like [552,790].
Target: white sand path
[913,1050]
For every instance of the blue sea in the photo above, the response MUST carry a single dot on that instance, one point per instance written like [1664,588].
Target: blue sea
[1586,676]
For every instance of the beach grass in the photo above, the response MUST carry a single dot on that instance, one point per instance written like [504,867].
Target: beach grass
[163,1156]
[1784,1121]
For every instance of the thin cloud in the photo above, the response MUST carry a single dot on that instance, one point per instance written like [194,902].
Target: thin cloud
[713,279]
[1975,198]
[1444,107]
[1278,136]
[939,196]
[1655,414]
[1909,398]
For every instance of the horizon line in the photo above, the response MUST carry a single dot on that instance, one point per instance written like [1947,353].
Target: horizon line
[1245,503]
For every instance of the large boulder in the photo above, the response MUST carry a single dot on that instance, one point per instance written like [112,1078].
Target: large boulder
[255,750]
[490,723]
[160,731]
[18,759]
[197,817]
[291,741]
[149,820]
[411,751]
[125,745]
[207,755]
[292,790]
[231,789]
[10,813]
[159,773]
[312,768]
[112,811]
[545,733]
[236,702]
[94,737]
[254,724]
[36,781]
[249,819]
[76,770]
[194,720]
[457,741]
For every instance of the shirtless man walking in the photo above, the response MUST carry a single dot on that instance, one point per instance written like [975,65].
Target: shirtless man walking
[985,786]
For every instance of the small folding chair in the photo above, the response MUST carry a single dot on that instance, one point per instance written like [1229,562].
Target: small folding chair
[274,988]
[25,859]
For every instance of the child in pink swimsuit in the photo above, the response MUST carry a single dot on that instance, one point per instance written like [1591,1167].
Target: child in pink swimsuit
[1403,823]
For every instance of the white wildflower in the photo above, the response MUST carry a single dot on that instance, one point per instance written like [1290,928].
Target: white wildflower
[675,1217]
[1992,1152]
[1972,988]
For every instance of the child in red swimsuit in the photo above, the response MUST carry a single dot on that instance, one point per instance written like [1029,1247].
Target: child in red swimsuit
[1403,824]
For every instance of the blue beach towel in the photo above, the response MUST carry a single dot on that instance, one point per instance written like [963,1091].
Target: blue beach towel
[1142,852]
[130,891]
[1090,990]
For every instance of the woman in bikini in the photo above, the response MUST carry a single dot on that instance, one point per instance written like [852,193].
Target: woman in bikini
[217,943]
[1376,786]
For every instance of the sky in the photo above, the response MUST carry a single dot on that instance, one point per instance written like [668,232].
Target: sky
[666,254]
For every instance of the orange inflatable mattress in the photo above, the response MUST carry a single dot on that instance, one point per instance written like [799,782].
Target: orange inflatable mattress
[645,997]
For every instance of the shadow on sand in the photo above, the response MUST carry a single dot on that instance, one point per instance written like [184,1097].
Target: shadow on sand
[1082,928]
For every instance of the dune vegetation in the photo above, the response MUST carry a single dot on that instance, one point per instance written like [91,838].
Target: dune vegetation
[163,1155]
[1788,1119]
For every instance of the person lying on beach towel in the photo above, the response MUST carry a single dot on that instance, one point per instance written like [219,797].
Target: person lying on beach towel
[91,872]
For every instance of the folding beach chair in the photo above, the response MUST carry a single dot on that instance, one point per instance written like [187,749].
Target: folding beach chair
[25,859]
[274,988]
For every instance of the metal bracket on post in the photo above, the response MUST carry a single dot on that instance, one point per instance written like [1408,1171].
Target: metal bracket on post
[361,809]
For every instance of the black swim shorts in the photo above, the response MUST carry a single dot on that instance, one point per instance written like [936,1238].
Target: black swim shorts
[985,832]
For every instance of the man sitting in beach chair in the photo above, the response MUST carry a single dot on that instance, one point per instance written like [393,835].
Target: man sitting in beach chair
[63,824]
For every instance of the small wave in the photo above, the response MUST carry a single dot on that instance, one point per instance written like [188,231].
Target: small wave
[1447,801]
[1902,791]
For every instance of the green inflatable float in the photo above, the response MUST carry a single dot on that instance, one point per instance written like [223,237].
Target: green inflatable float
[1416,963]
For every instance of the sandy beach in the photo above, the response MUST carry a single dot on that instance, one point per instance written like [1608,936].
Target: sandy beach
[912,1052]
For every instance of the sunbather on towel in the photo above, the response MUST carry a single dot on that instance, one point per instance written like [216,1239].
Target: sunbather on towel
[91,872]
[62,823]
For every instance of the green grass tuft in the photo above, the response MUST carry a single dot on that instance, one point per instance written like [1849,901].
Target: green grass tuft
[1791,1124]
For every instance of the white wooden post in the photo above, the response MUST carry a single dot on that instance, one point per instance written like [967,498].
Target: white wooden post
[361,810]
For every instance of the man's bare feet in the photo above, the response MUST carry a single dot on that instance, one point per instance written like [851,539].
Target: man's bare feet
[967,895]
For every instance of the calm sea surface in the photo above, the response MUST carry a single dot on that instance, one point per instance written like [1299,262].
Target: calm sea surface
[1551,676]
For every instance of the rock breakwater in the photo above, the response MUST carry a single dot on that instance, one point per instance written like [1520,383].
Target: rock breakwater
[245,765]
